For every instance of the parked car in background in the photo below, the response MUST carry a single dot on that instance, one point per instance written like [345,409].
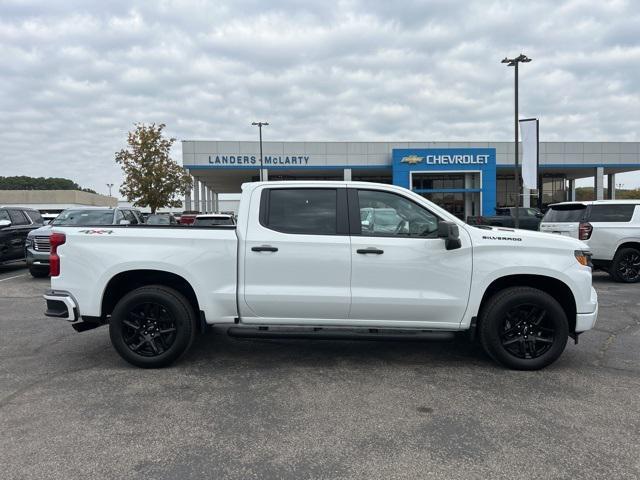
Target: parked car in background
[529,218]
[188,217]
[15,225]
[161,219]
[213,219]
[611,228]
[36,248]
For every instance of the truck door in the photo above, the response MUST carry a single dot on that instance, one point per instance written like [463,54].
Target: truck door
[401,271]
[297,256]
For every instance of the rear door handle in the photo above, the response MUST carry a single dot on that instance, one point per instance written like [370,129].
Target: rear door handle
[264,248]
[375,251]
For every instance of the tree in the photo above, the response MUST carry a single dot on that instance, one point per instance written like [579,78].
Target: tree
[151,177]
[39,183]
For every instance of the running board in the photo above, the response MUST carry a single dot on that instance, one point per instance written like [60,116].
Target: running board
[318,333]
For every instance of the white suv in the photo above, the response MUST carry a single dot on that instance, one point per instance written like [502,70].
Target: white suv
[611,228]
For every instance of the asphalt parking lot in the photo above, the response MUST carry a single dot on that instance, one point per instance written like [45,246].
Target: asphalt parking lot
[239,409]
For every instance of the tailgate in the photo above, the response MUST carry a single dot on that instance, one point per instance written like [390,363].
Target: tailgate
[566,229]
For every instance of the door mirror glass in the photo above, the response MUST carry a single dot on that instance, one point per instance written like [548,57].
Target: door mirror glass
[450,233]
[5,223]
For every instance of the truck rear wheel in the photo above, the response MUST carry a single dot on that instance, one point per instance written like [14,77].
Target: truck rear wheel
[152,326]
[523,328]
[626,265]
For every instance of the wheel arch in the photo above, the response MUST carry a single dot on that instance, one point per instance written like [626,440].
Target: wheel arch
[559,290]
[627,244]
[124,282]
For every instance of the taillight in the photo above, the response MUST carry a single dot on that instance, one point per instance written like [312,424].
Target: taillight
[56,239]
[584,231]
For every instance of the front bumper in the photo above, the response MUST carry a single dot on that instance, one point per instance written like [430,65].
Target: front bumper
[586,321]
[61,305]
[37,259]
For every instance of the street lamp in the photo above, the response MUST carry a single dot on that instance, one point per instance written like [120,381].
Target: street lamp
[513,62]
[260,125]
[109,185]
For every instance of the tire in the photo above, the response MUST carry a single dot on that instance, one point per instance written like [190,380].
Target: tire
[625,267]
[508,320]
[151,327]
[39,272]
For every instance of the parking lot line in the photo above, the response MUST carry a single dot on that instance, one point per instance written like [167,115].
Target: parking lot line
[11,278]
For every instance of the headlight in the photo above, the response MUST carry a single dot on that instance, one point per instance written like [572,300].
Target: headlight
[28,242]
[584,258]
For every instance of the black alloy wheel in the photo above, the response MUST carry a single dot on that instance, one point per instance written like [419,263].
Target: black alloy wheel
[527,332]
[152,326]
[627,265]
[149,329]
[523,328]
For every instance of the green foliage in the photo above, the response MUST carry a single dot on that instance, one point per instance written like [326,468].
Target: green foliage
[586,193]
[39,183]
[151,177]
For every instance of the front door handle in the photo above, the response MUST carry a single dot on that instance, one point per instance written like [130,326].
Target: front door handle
[264,248]
[375,251]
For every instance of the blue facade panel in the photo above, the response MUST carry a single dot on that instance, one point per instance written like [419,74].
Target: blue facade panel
[435,160]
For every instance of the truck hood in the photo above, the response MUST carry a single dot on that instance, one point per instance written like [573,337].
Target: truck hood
[40,232]
[520,238]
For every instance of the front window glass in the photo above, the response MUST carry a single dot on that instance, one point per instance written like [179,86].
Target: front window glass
[388,214]
[84,217]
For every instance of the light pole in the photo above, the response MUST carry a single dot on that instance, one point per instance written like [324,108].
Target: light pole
[109,185]
[260,125]
[513,62]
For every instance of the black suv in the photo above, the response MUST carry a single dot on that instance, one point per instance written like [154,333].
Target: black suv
[15,225]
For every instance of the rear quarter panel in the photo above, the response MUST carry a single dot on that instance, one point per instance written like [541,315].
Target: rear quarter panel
[206,258]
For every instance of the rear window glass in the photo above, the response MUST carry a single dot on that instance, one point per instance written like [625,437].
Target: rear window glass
[565,213]
[303,211]
[611,213]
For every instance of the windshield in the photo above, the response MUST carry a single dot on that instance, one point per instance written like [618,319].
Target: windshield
[84,217]
[210,222]
[565,213]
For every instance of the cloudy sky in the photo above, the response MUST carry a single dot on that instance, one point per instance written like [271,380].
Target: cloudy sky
[77,74]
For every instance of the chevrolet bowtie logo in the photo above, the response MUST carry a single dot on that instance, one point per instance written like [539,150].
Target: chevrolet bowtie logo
[412,159]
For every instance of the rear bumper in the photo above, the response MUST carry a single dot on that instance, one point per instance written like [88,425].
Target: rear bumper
[61,305]
[586,321]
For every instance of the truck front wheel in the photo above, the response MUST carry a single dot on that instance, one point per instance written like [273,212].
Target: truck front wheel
[523,328]
[152,326]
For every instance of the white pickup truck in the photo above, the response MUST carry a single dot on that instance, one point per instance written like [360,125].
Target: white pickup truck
[300,264]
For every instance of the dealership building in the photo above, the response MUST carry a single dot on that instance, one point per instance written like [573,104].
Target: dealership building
[466,178]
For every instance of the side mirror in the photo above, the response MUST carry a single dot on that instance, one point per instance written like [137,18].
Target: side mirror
[5,223]
[125,222]
[540,215]
[449,231]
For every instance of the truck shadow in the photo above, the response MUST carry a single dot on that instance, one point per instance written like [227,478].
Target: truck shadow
[215,346]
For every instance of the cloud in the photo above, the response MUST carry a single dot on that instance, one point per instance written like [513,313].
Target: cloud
[78,74]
